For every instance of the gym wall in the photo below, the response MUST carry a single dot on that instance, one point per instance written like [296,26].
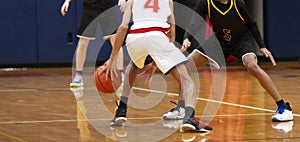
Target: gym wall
[35,33]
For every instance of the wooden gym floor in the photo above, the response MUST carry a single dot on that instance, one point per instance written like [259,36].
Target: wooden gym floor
[38,106]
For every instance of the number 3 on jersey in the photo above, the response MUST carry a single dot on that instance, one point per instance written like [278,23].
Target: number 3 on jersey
[154,5]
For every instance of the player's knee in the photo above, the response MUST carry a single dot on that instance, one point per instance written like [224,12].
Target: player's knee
[252,67]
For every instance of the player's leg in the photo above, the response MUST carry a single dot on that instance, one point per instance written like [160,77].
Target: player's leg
[138,55]
[80,60]
[245,50]
[250,63]
[169,59]
[195,60]
[81,53]
[187,85]
[190,123]
[85,35]
[129,79]
[284,112]
[178,112]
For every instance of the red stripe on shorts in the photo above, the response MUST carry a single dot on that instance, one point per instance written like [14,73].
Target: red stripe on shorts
[145,30]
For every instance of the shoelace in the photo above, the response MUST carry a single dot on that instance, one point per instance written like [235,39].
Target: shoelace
[173,102]
[77,78]
[280,109]
[173,109]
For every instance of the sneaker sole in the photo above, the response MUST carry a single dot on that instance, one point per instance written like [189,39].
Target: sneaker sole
[166,118]
[76,85]
[116,124]
[277,120]
[189,127]
[203,130]
[76,88]
[121,120]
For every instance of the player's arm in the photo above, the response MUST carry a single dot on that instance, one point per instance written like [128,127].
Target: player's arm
[198,24]
[171,19]
[122,5]
[120,36]
[64,8]
[250,22]
[253,28]
[122,30]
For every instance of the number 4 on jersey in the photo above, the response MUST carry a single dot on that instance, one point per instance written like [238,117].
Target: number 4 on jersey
[154,5]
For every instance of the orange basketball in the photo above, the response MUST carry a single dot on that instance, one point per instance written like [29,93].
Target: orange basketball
[109,85]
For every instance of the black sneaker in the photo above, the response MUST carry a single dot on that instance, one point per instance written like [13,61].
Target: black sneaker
[120,116]
[194,124]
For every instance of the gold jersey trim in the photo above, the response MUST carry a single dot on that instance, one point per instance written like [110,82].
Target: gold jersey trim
[208,8]
[225,12]
[233,2]
[237,10]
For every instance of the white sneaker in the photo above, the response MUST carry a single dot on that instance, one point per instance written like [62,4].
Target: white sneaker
[283,114]
[175,114]
[77,81]
[284,127]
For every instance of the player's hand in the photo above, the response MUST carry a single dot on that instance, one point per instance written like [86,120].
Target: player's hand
[101,69]
[122,5]
[185,45]
[148,72]
[268,54]
[65,7]
[111,68]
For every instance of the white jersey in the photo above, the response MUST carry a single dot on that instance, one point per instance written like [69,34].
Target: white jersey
[150,13]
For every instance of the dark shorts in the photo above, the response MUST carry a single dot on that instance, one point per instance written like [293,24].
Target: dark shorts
[92,18]
[238,48]
[148,60]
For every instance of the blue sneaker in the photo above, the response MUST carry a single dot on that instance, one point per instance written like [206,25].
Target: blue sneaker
[284,113]
[77,81]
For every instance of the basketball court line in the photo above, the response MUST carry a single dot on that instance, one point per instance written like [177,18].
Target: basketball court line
[12,137]
[208,100]
[135,88]
[129,118]
[37,89]
[154,91]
